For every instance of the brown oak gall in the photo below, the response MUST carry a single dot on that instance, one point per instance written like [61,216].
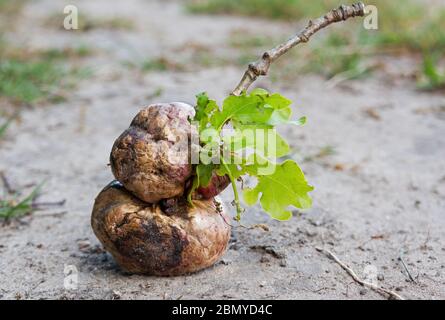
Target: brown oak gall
[144,239]
[151,158]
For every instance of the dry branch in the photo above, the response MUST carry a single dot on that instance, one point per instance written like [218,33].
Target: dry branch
[261,66]
[380,290]
[405,267]
[6,183]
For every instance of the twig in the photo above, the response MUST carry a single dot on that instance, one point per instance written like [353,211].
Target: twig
[54,214]
[261,226]
[261,66]
[380,290]
[37,205]
[6,183]
[374,237]
[405,267]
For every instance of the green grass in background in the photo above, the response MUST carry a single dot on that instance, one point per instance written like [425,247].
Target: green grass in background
[28,81]
[3,127]
[275,9]
[16,208]
[5,123]
[33,76]
[38,79]
[81,51]
[160,64]
[432,78]
[11,7]
[113,23]
[88,23]
[238,39]
[30,76]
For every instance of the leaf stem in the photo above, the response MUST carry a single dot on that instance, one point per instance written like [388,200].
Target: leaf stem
[239,209]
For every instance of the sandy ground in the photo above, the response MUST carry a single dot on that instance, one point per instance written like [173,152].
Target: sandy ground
[380,194]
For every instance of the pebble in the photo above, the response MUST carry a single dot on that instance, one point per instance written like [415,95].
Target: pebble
[115,295]
[83,245]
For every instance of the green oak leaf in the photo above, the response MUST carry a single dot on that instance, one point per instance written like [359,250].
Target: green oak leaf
[204,110]
[262,139]
[286,186]
[259,92]
[257,108]
[249,149]
[281,109]
[201,103]
[243,109]
[300,122]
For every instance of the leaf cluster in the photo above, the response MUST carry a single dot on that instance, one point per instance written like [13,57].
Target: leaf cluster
[250,147]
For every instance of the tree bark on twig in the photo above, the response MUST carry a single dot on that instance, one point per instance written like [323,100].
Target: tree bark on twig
[261,66]
[380,290]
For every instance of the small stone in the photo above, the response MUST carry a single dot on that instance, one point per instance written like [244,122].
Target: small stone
[380,277]
[115,295]
[83,245]
[417,204]
[363,292]
[311,233]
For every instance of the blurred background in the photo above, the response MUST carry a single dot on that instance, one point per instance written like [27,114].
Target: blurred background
[33,65]
[374,145]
